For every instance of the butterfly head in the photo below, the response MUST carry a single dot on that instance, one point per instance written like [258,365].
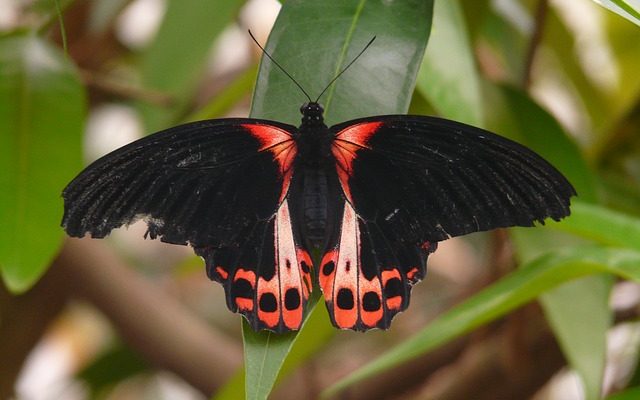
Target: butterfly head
[312,113]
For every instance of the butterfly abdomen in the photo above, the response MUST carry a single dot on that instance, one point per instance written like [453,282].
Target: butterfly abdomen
[314,198]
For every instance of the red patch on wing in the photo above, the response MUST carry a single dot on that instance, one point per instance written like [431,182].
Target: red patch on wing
[280,301]
[345,146]
[281,144]
[395,302]
[305,264]
[245,274]
[370,295]
[354,301]
[222,272]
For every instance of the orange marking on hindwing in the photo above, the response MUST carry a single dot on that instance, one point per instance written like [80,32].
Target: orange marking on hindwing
[222,272]
[366,287]
[245,274]
[412,273]
[347,270]
[288,269]
[395,302]
[326,280]
[304,257]
[265,287]
[244,304]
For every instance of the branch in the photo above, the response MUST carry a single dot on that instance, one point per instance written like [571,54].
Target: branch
[161,330]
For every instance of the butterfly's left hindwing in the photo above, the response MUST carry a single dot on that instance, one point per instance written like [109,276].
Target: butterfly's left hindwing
[409,182]
[220,186]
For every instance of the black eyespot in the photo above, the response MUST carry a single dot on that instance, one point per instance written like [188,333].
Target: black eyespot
[393,288]
[305,267]
[242,288]
[345,299]
[328,268]
[268,302]
[292,299]
[371,302]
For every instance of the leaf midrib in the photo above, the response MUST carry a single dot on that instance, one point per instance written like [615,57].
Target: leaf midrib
[343,54]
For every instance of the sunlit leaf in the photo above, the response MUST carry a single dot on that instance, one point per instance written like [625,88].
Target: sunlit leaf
[629,9]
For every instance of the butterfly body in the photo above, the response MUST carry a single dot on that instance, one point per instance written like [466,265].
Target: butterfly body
[373,196]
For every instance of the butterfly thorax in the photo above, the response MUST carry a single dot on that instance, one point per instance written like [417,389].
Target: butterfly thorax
[312,114]
[314,175]
[314,141]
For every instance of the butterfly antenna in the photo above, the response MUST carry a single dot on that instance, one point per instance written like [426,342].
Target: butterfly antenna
[279,66]
[346,68]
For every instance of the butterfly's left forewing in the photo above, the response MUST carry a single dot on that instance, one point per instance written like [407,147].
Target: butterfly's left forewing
[409,182]
[220,186]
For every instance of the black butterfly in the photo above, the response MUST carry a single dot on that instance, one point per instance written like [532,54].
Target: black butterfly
[374,195]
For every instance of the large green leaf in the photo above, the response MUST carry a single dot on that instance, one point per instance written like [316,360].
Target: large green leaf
[448,77]
[514,290]
[264,354]
[313,41]
[175,59]
[42,108]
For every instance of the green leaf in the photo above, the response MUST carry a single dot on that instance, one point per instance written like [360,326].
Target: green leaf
[623,8]
[628,394]
[314,41]
[42,109]
[448,77]
[176,57]
[316,333]
[269,356]
[513,291]
[540,131]
[608,227]
[264,353]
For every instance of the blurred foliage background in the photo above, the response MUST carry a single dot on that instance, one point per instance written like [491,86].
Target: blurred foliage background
[544,313]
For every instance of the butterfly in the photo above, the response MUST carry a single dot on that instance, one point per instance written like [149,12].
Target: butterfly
[373,197]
